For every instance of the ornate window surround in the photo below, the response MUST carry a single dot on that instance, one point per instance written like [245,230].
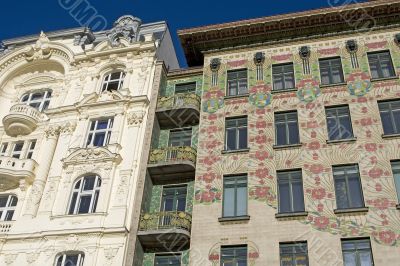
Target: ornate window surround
[79,192]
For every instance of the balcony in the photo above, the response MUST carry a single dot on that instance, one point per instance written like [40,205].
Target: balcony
[182,109]
[165,230]
[22,120]
[13,171]
[172,164]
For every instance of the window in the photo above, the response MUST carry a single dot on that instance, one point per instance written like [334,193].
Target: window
[339,123]
[381,65]
[168,260]
[237,82]
[39,100]
[70,259]
[331,71]
[31,149]
[357,252]
[390,116]
[234,255]
[236,133]
[85,195]
[235,196]
[185,88]
[396,175]
[100,132]
[113,81]
[290,189]
[3,149]
[283,76]
[7,207]
[286,128]
[294,254]
[348,187]
[180,138]
[17,150]
[174,199]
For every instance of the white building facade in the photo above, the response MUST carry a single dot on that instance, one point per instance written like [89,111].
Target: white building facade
[77,108]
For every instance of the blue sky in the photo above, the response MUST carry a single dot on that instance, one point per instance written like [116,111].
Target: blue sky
[24,17]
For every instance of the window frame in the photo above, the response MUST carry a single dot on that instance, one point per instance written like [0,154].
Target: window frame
[283,74]
[287,130]
[64,255]
[175,196]
[359,240]
[237,133]
[94,131]
[181,130]
[392,119]
[290,172]
[293,253]
[380,68]
[185,84]
[347,186]
[235,249]
[11,198]
[336,107]
[44,102]
[93,193]
[107,81]
[330,74]
[237,82]
[396,181]
[235,197]
[4,149]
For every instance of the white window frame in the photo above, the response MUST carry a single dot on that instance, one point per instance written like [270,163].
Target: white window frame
[94,131]
[45,99]
[19,153]
[80,193]
[81,258]
[107,80]
[4,149]
[8,208]
[31,149]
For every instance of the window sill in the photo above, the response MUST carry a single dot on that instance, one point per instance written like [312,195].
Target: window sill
[383,79]
[332,85]
[341,141]
[233,219]
[291,215]
[236,96]
[351,210]
[390,136]
[78,215]
[288,146]
[283,91]
[235,151]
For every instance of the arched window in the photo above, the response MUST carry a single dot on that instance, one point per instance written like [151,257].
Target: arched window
[85,195]
[70,259]
[7,207]
[113,81]
[39,99]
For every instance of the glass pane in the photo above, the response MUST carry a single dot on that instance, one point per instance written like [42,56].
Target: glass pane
[242,138]
[341,194]
[231,139]
[396,176]
[355,193]
[13,201]
[241,201]
[387,123]
[99,139]
[84,204]
[333,130]
[293,133]
[73,203]
[168,204]
[9,215]
[96,198]
[365,258]
[349,259]
[71,260]
[59,261]
[88,183]
[102,124]
[280,134]
[229,202]
[298,198]
[396,118]
[346,129]
[284,198]
[3,201]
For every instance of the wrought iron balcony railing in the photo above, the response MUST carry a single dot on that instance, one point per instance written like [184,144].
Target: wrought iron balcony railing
[165,220]
[179,100]
[173,154]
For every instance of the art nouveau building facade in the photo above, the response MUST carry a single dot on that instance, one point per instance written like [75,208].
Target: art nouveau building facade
[76,107]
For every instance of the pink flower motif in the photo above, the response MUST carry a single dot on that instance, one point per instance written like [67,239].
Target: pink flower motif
[371,147]
[208,177]
[320,207]
[213,257]
[212,117]
[262,192]
[283,57]
[388,237]
[321,222]
[262,173]
[375,173]
[261,139]
[314,145]
[253,255]
[381,204]
[261,155]
[318,193]
[366,122]
[312,124]
[261,124]
[316,168]
[313,134]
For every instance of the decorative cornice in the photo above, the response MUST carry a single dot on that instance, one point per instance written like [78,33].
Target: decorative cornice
[135,118]
[91,155]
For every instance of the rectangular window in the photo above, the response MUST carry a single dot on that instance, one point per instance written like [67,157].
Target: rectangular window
[283,76]
[390,116]
[17,150]
[381,65]
[31,149]
[339,123]
[294,254]
[174,199]
[236,133]
[180,138]
[234,255]
[99,132]
[396,176]
[235,196]
[290,189]
[286,128]
[348,187]
[331,71]
[3,149]
[357,252]
[185,88]
[237,82]
[167,260]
